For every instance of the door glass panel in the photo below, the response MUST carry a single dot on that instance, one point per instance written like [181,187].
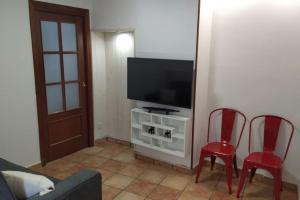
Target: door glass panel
[72,95]
[70,67]
[52,68]
[54,98]
[68,32]
[50,36]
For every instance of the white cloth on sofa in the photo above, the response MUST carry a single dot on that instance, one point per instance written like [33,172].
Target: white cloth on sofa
[25,185]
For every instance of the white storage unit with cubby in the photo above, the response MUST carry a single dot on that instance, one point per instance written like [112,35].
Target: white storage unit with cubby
[164,133]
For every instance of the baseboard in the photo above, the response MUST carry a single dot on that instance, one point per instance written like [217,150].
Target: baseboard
[110,139]
[34,164]
[96,140]
[181,169]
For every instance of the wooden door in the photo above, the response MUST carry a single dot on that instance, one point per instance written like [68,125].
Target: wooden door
[60,37]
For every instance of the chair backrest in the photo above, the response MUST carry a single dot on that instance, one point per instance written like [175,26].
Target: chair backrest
[228,119]
[272,125]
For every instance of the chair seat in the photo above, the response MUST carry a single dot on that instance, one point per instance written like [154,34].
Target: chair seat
[265,159]
[219,148]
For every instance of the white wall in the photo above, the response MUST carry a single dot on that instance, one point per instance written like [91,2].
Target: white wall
[253,66]
[19,140]
[156,36]
[202,82]
[117,109]
[18,120]
[99,84]
[163,29]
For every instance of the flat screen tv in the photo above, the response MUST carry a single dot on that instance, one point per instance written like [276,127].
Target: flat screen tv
[161,81]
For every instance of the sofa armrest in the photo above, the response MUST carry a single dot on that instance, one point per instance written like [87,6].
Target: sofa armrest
[85,184]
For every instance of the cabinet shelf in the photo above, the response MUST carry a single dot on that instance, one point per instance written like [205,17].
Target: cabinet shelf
[178,135]
[158,126]
[168,151]
[150,130]
[157,137]
[137,126]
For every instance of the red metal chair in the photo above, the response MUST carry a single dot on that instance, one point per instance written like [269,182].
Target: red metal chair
[223,149]
[267,159]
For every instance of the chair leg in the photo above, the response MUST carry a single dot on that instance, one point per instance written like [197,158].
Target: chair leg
[228,166]
[200,165]
[277,185]
[242,180]
[252,174]
[212,161]
[235,166]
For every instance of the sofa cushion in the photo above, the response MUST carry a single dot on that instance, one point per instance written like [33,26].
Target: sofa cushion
[8,166]
[5,192]
[25,185]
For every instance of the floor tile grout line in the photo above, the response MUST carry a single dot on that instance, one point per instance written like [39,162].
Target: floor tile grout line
[114,188]
[134,178]
[184,189]
[215,187]
[63,171]
[156,184]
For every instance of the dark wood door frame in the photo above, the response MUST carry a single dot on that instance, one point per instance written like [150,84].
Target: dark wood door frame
[36,6]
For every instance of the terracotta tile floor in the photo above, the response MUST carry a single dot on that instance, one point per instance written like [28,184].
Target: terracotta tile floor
[125,178]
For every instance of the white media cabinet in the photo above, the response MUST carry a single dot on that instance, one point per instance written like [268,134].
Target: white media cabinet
[149,130]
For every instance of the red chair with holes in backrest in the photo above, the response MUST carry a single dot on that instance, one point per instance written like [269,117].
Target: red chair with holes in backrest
[223,149]
[267,159]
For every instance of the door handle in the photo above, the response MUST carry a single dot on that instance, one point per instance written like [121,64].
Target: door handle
[84,84]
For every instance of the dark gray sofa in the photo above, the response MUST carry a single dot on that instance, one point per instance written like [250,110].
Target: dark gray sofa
[84,185]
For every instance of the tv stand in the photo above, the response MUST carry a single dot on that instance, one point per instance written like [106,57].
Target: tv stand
[163,110]
[168,134]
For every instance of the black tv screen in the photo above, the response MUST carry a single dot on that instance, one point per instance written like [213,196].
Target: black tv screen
[160,81]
